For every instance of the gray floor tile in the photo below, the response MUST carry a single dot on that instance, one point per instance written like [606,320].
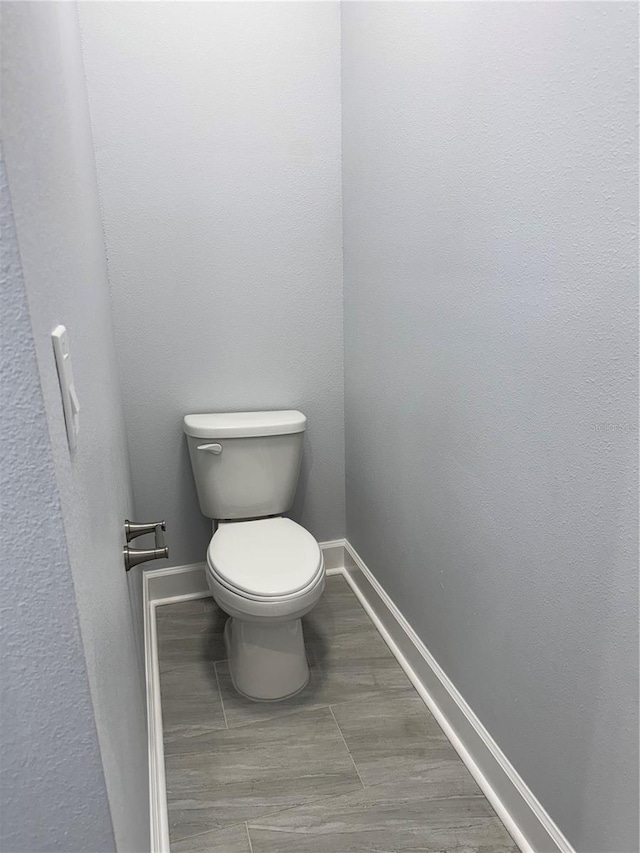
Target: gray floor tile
[314,730]
[346,642]
[192,607]
[338,628]
[339,681]
[285,766]
[393,738]
[232,840]
[384,819]
[338,608]
[338,604]
[182,619]
[185,650]
[191,702]
[256,770]
[186,639]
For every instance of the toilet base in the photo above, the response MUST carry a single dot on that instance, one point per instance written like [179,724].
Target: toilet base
[267,661]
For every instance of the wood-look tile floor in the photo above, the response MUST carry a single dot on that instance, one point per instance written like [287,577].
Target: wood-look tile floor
[353,764]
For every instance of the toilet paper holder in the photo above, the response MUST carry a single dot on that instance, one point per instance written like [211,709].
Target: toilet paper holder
[134,556]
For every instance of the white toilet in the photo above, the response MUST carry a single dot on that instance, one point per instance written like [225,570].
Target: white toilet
[264,570]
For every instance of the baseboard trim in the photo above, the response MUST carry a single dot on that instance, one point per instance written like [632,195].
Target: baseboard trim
[180,582]
[531,827]
[529,824]
[334,555]
[159,817]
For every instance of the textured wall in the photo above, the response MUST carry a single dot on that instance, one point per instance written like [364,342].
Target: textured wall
[217,134]
[51,174]
[490,221]
[52,789]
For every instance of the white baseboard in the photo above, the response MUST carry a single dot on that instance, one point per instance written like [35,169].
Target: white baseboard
[334,555]
[530,826]
[159,818]
[180,582]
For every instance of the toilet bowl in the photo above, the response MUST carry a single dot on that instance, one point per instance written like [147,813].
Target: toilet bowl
[266,574]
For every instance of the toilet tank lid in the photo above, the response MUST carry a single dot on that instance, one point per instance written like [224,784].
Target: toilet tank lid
[244,424]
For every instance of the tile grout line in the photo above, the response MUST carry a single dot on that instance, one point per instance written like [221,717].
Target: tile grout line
[246,826]
[355,766]
[224,713]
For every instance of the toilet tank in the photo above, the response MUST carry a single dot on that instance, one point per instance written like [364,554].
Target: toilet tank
[245,464]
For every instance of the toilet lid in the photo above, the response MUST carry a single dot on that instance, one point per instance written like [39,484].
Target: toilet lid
[269,557]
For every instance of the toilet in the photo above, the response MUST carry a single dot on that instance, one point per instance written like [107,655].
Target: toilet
[263,569]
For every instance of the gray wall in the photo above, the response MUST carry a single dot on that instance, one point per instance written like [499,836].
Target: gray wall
[51,173]
[217,134]
[52,788]
[490,220]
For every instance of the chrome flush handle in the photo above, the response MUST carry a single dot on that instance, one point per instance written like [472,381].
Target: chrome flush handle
[211,448]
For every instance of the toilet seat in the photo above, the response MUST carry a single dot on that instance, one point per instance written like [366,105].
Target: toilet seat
[268,560]
[273,599]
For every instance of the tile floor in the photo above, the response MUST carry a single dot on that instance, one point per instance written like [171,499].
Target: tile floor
[353,764]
